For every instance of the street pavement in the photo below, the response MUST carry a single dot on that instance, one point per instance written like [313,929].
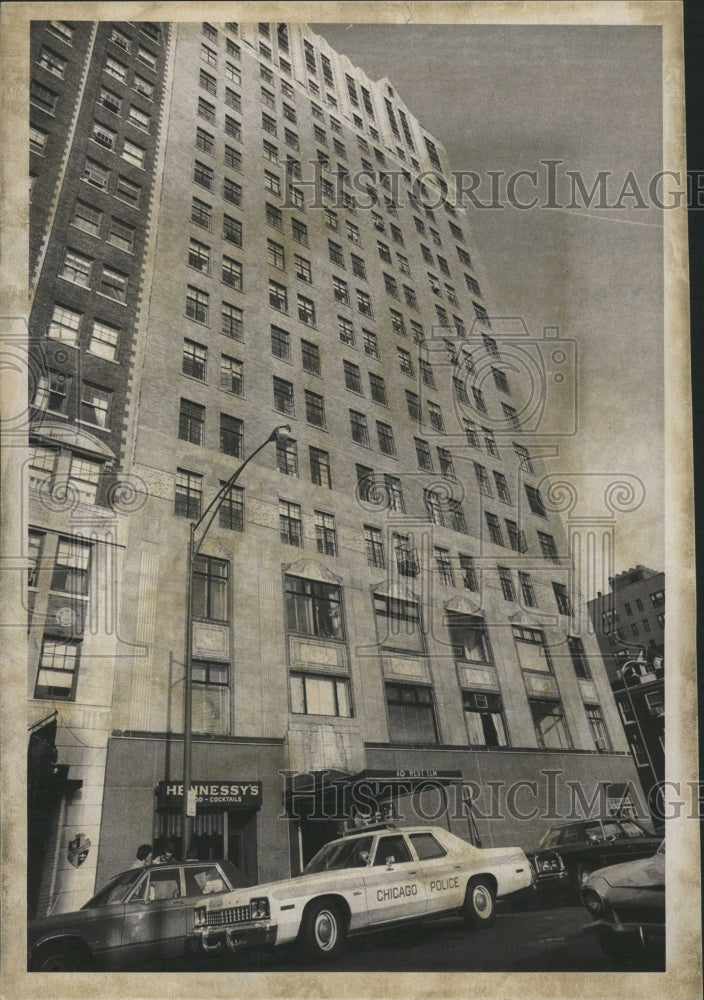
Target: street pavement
[548,940]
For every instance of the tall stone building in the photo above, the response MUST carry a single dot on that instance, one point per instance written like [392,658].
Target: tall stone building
[384,612]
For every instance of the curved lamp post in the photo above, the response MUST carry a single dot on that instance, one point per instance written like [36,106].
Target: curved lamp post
[194,546]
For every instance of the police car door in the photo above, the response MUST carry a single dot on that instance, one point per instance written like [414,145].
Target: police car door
[393,882]
[444,875]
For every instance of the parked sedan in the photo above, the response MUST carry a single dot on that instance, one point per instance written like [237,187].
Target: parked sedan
[627,905]
[372,879]
[591,844]
[141,918]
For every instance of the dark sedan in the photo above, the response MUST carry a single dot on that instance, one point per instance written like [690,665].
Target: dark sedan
[140,919]
[627,906]
[591,844]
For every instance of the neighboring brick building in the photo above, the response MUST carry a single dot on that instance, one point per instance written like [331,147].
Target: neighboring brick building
[630,627]
[385,597]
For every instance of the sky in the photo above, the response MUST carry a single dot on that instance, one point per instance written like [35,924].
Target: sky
[505,98]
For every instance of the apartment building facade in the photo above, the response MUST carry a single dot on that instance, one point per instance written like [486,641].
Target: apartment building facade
[384,613]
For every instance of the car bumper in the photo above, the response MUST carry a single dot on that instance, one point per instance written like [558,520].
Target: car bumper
[614,935]
[235,938]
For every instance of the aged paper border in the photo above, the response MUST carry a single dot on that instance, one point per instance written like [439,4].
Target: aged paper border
[683,978]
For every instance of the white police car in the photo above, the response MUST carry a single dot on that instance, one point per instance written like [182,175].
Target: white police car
[369,880]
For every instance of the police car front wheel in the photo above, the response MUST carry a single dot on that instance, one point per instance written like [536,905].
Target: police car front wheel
[323,929]
[479,909]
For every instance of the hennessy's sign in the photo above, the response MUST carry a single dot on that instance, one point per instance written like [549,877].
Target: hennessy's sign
[242,794]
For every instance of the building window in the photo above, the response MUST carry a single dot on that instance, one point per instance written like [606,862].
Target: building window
[278,296]
[83,478]
[377,388]
[315,695]
[290,524]
[325,533]
[469,573]
[113,284]
[359,429]
[411,714]
[188,494]
[470,429]
[335,253]
[231,377]
[64,325]
[138,119]
[76,268]
[71,572]
[406,556]
[95,405]
[531,650]
[121,235]
[502,487]
[385,437]
[231,191]
[510,415]
[103,340]
[42,462]
[233,158]
[549,723]
[306,310]
[598,727]
[523,455]
[434,506]
[516,538]
[302,269]
[535,501]
[299,231]
[364,303]
[37,144]
[413,405]
[211,697]
[398,324]
[191,422]
[133,153]
[482,479]
[231,436]
[210,586]
[444,567]
[287,456]
[579,657]
[490,443]
[232,324]
[657,599]
[275,254]
[58,668]
[359,268]
[199,256]
[353,377]
[405,362]
[87,218]
[197,305]
[201,213]
[506,581]
[478,396]
[340,290]
[42,97]
[345,330]
[548,548]
[564,604]
[371,344]
[283,396]
[320,467]
[232,230]
[231,512]
[423,456]
[374,542]
[313,608]
[527,592]
[143,87]
[61,30]
[310,357]
[280,343]
[484,716]
[315,409]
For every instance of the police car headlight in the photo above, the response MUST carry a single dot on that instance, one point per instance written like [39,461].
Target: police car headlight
[199,917]
[259,908]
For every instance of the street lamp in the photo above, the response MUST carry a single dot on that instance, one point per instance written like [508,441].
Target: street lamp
[194,546]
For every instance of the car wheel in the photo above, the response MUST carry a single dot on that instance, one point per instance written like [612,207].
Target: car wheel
[61,958]
[323,929]
[479,908]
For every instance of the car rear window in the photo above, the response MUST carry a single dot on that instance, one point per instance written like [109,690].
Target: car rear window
[426,846]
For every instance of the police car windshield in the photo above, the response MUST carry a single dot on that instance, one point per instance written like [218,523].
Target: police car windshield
[340,854]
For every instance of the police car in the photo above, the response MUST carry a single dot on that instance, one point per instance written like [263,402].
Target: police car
[368,880]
